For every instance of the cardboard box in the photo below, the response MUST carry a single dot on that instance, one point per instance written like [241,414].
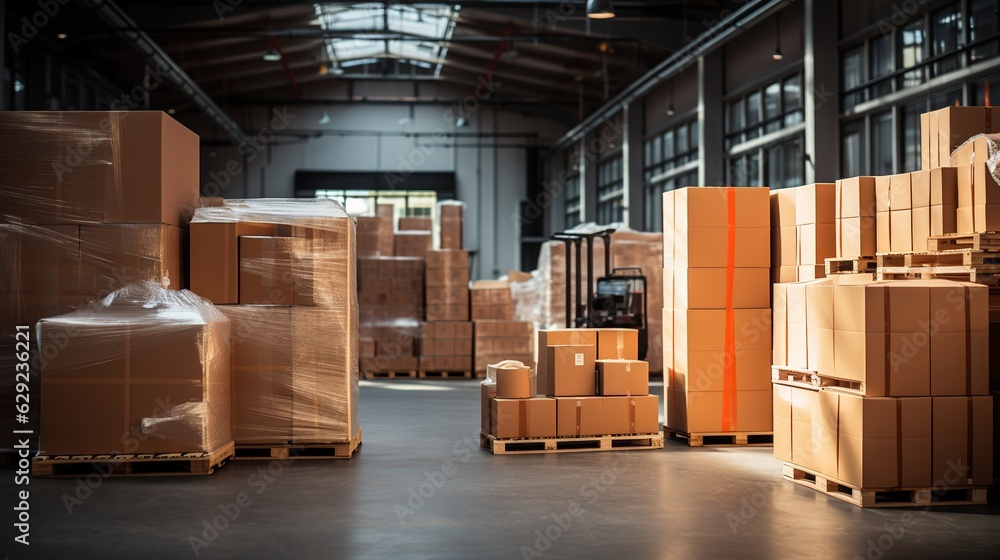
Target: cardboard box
[815,204]
[413,223]
[963,440]
[215,258]
[782,421]
[412,243]
[266,265]
[784,208]
[375,236]
[817,242]
[569,372]
[706,288]
[514,382]
[900,230]
[524,418]
[868,445]
[856,210]
[488,391]
[580,416]
[559,337]
[705,412]
[622,377]
[617,344]
[946,129]
[98,167]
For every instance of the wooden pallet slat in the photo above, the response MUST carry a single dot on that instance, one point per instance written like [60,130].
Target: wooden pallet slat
[528,446]
[990,240]
[796,376]
[700,439]
[979,259]
[158,464]
[987,275]
[849,265]
[884,497]
[295,450]
[437,374]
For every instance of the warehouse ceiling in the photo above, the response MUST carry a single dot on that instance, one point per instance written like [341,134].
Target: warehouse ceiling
[544,53]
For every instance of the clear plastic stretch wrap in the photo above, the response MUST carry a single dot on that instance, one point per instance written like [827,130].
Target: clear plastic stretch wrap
[144,370]
[629,248]
[295,349]
[449,216]
[89,202]
[969,153]
[528,294]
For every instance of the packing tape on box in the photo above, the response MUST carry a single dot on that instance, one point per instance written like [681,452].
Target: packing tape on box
[579,416]
[631,416]
[619,344]
[729,360]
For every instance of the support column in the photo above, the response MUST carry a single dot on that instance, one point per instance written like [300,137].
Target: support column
[632,166]
[711,148]
[820,87]
[588,177]
[557,208]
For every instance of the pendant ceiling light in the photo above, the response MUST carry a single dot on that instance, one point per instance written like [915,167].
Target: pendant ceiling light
[600,9]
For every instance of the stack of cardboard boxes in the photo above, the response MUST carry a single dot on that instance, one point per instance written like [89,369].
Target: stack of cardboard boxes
[391,296]
[803,233]
[284,273]
[412,243]
[414,223]
[590,384]
[491,300]
[448,285]
[716,316]
[449,224]
[446,346]
[916,351]
[375,236]
[89,202]
[496,341]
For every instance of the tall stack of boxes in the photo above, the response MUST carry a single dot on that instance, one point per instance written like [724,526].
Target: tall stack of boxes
[89,202]
[589,383]
[449,224]
[375,236]
[284,272]
[391,296]
[446,346]
[717,317]
[803,234]
[491,300]
[447,336]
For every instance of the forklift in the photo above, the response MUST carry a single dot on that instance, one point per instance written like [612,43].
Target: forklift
[620,298]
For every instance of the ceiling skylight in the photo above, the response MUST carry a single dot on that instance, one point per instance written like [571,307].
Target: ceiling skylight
[416,34]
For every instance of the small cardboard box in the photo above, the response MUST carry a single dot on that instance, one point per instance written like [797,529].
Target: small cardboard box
[523,418]
[215,262]
[266,265]
[580,416]
[617,344]
[815,204]
[622,377]
[868,442]
[570,371]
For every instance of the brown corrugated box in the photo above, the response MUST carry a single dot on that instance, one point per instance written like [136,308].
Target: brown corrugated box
[622,377]
[134,167]
[414,223]
[375,236]
[946,129]
[569,371]
[266,265]
[496,341]
[524,418]
[855,217]
[215,262]
[412,243]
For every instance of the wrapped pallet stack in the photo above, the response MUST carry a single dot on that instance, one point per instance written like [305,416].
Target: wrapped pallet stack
[284,270]
[89,202]
[716,315]
[590,392]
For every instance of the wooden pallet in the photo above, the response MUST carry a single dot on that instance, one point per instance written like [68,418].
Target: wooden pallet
[446,375]
[749,439]
[988,241]
[810,378]
[159,464]
[958,257]
[289,450]
[850,265]
[885,497]
[988,275]
[571,444]
[411,374]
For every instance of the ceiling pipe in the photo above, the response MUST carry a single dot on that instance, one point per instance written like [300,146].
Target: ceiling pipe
[727,28]
[116,17]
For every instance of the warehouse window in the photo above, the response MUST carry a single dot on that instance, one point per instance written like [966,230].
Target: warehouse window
[610,191]
[853,75]
[573,201]
[946,37]
[911,41]
[769,109]
[654,196]
[666,151]
[779,164]
[852,151]
[979,92]
[982,26]
[882,144]
[911,135]
[363,203]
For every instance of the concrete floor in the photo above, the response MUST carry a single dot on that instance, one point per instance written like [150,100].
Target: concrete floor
[422,488]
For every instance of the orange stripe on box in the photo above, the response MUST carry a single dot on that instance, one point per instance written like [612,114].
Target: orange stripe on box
[729,365]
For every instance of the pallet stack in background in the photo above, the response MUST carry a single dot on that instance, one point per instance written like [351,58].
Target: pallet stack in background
[592,393]
[882,381]
[89,202]
[803,232]
[716,315]
[283,272]
[391,300]
[446,347]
